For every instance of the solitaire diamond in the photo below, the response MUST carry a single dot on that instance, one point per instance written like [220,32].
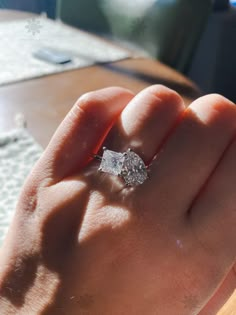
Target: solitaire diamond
[112,162]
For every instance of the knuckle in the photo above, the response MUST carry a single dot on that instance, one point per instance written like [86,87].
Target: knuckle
[99,97]
[87,99]
[166,94]
[96,103]
[85,105]
[217,107]
[219,102]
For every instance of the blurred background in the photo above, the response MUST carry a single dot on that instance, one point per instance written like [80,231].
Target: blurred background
[198,38]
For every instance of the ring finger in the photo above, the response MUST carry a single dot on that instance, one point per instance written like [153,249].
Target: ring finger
[146,121]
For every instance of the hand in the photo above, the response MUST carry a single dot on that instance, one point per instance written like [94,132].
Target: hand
[83,243]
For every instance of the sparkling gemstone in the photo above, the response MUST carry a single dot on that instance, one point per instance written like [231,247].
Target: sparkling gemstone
[112,162]
[134,170]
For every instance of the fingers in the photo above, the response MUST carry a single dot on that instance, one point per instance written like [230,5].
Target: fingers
[82,131]
[146,121]
[191,153]
[214,211]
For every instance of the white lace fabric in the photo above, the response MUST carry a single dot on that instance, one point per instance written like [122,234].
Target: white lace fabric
[18,154]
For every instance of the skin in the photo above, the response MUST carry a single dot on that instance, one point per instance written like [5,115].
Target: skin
[83,243]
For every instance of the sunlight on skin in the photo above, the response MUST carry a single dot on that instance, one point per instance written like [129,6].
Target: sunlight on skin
[202,112]
[179,244]
[70,187]
[136,143]
[201,115]
[99,216]
[52,281]
[129,126]
[230,307]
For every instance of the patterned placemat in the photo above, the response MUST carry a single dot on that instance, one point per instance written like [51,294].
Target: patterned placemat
[18,154]
[21,39]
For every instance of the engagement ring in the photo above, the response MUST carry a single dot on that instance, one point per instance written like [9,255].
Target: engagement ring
[127,165]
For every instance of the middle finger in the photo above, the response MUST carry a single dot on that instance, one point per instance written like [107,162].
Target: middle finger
[146,121]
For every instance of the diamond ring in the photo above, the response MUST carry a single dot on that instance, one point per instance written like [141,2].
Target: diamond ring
[127,165]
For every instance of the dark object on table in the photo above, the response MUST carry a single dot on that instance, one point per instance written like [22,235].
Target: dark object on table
[52,55]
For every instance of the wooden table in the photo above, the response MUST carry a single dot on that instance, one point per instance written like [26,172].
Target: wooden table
[45,101]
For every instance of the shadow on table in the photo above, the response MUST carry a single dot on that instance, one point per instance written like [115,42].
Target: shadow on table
[186,90]
[183,89]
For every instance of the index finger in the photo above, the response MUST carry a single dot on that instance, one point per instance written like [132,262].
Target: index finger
[82,132]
